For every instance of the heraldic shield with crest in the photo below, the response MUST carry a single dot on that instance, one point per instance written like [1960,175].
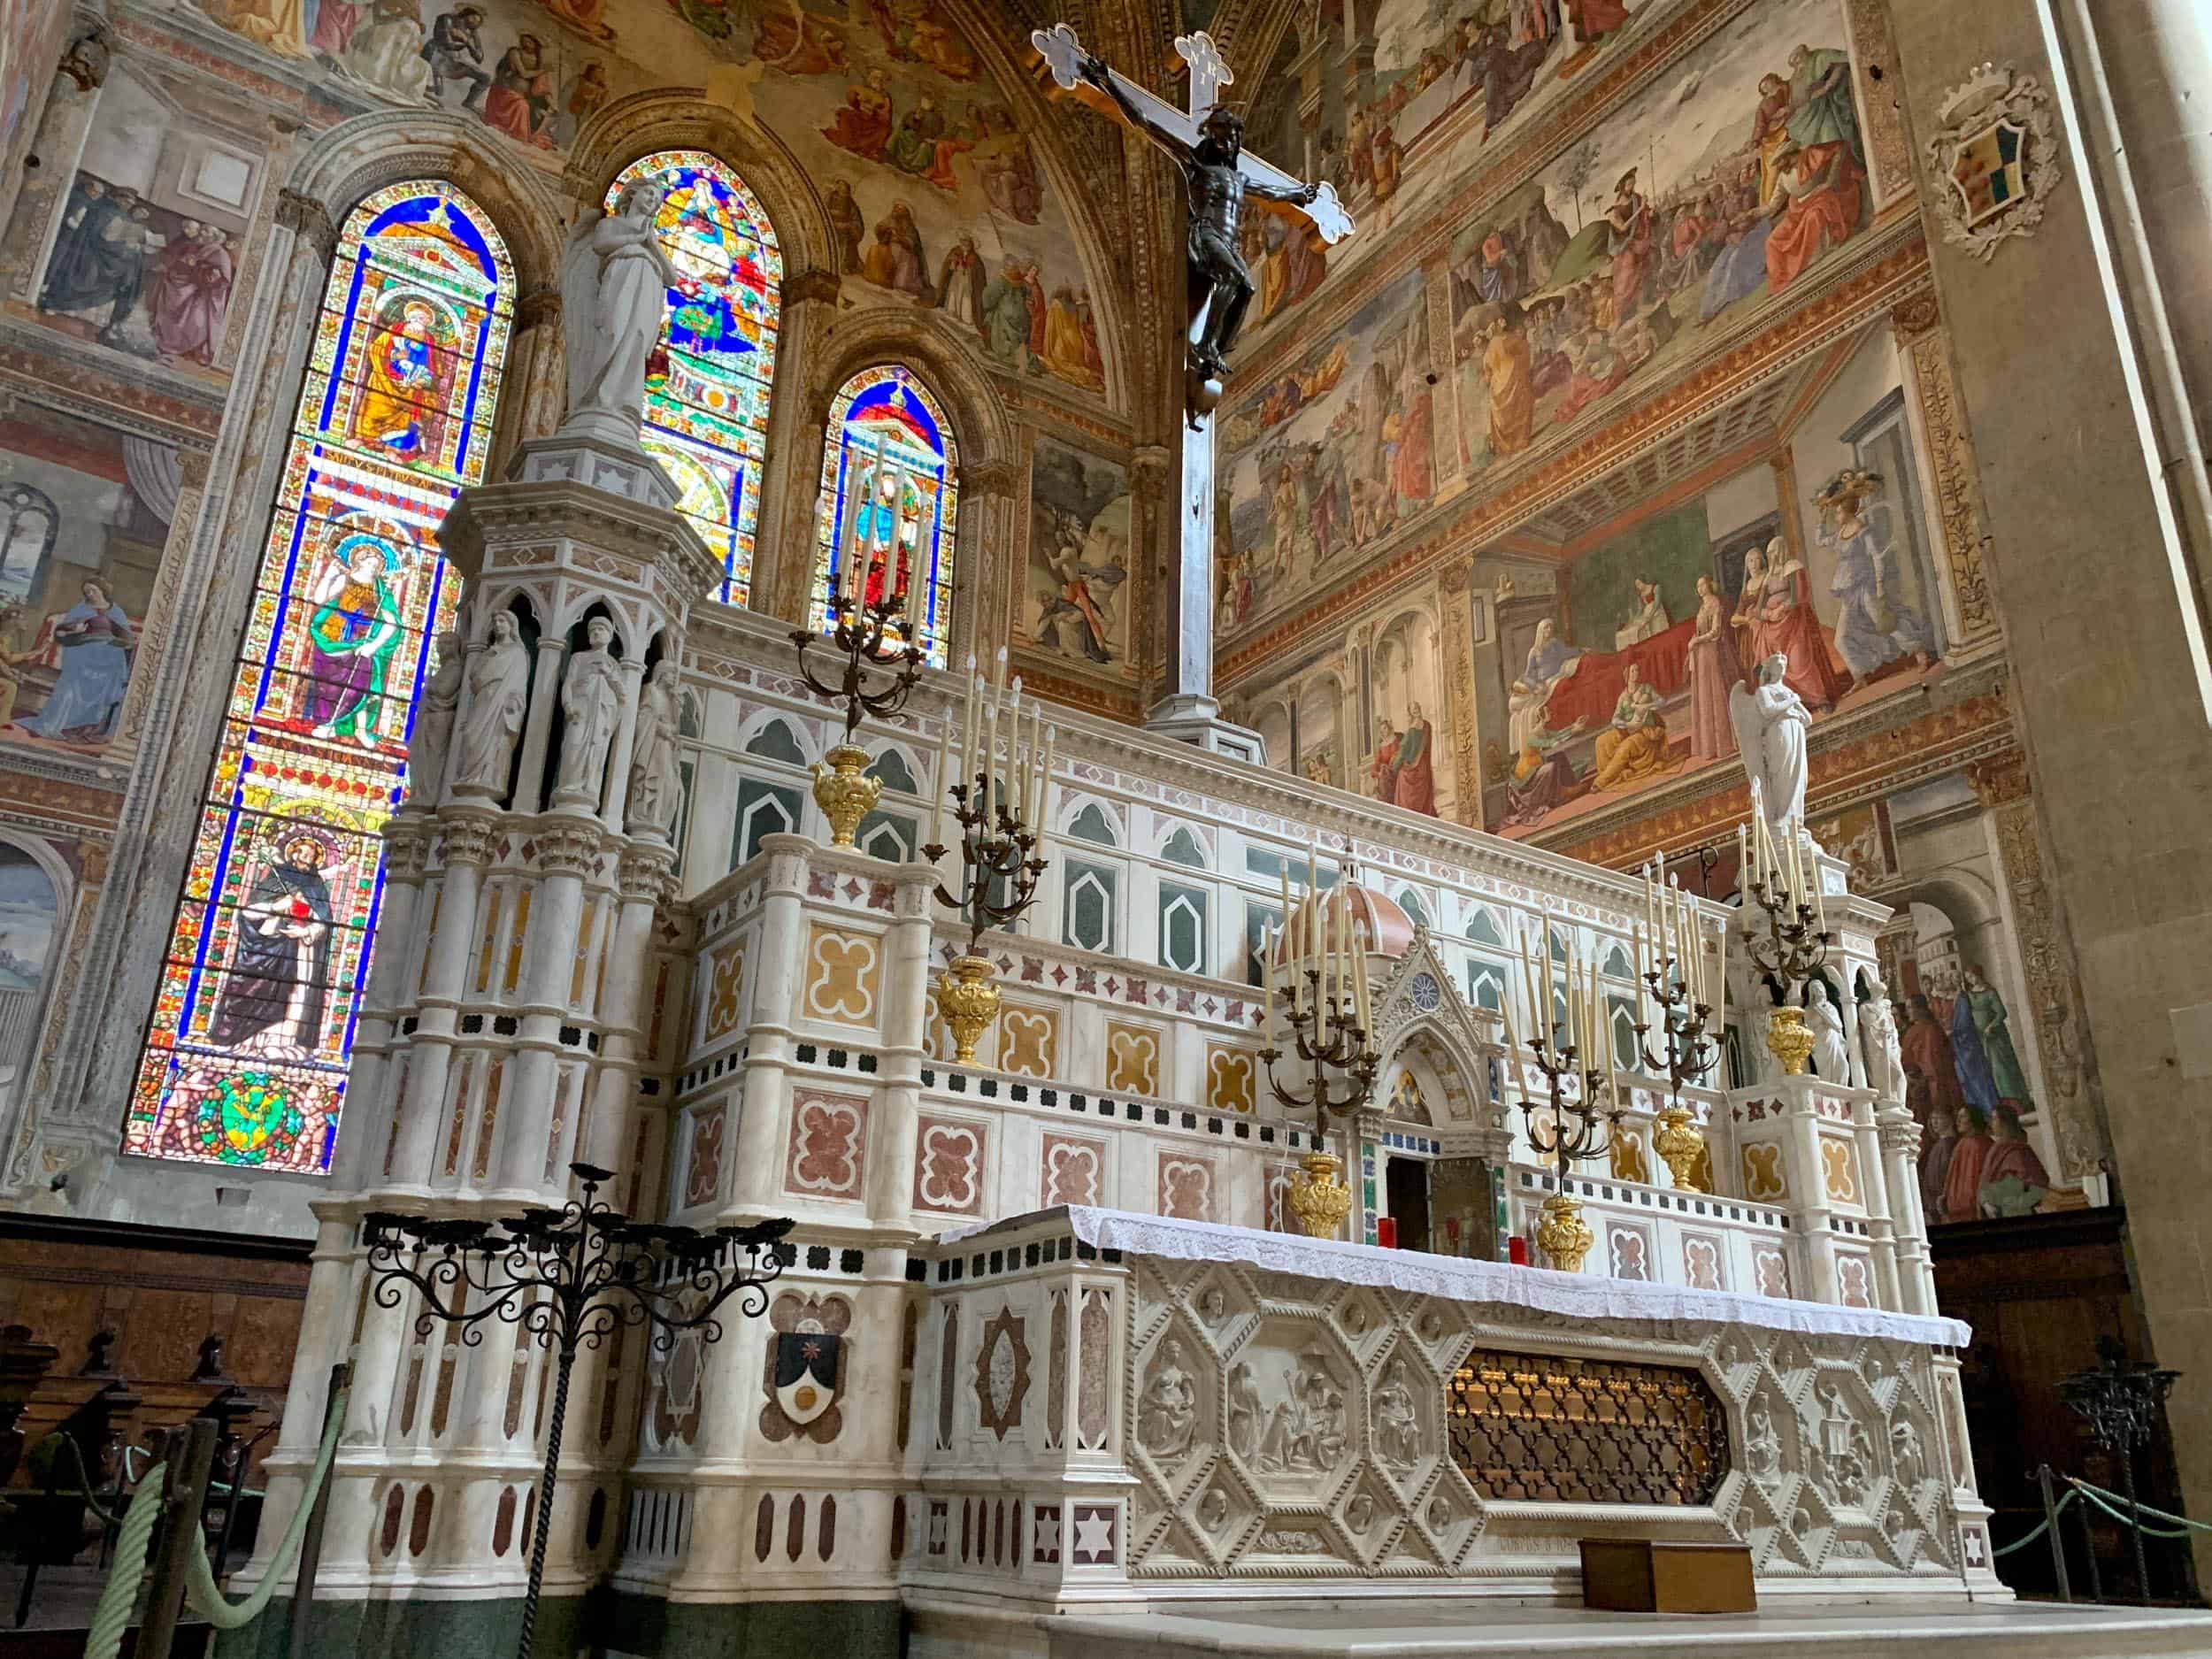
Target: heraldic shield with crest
[805,1368]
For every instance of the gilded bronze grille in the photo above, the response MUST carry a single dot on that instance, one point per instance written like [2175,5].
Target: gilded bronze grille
[1544,1428]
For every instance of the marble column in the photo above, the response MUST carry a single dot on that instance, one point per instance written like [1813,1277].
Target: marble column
[776,973]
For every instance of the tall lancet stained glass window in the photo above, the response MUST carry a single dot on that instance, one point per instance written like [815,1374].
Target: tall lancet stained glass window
[707,381]
[247,1049]
[889,506]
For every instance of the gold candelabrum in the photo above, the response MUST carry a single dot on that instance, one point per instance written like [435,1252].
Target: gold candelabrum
[1329,1035]
[1001,840]
[1688,1054]
[870,636]
[1560,1231]
[1791,947]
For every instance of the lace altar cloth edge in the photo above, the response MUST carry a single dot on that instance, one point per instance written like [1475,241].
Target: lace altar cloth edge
[1456,1279]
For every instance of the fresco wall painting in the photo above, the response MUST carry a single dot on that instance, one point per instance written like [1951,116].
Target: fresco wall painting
[84,516]
[147,241]
[1715,194]
[934,191]
[1076,607]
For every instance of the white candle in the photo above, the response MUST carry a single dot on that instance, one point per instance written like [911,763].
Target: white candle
[1282,931]
[998,681]
[989,757]
[944,762]
[1743,875]
[1044,796]
[1016,760]
[1044,764]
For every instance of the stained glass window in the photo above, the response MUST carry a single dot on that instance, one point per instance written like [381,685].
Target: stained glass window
[706,383]
[246,1052]
[890,494]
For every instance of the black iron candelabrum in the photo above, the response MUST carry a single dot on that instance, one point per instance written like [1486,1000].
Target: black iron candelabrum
[1688,1054]
[1561,1232]
[872,642]
[570,1278]
[2121,1400]
[1328,1037]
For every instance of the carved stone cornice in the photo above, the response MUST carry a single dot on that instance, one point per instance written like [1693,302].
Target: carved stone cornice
[2002,780]
[307,218]
[538,307]
[1001,478]
[814,283]
[407,839]
[1898,1134]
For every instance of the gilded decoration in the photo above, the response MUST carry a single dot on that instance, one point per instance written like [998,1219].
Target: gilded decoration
[1888,131]
[1549,1428]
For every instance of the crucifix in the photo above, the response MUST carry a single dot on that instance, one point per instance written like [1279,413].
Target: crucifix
[1206,141]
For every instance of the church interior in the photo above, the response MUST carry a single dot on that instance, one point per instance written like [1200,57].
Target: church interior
[1428,911]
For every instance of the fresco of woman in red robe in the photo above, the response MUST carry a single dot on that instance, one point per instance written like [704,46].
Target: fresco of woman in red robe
[1775,613]
[1821,210]
[1416,770]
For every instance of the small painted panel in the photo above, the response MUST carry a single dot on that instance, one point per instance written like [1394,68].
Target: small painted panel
[1029,1039]
[725,991]
[1186,1186]
[1071,1170]
[949,1166]
[828,1145]
[1232,1076]
[1133,1057]
[844,972]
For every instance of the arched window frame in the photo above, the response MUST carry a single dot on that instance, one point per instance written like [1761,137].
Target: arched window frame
[885,423]
[419,294]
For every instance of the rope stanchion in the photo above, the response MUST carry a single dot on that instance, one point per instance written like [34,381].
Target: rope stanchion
[2041,1527]
[201,1590]
[118,1597]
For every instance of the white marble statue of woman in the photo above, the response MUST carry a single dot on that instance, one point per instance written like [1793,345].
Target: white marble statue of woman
[433,723]
[591,701]
[1831,1053]
[1878,1036]
[1169,1409]
[615,278]
[1397,1425]
[654,783]
[498,693]
[1772,723]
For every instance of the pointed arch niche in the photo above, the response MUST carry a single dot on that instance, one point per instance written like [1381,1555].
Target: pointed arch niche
[707,382]
[246,1052]
[889,498]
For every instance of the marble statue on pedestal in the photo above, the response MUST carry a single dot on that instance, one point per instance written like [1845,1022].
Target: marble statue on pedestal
[498,693]
[654,783]
[591,701]
[1878,1039]
[1772,723]
[434,725]
[1831,1054]
[615,278]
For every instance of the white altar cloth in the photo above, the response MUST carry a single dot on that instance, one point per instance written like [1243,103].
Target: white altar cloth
[1456,1279]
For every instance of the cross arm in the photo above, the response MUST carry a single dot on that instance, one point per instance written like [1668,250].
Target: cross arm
[1111,92]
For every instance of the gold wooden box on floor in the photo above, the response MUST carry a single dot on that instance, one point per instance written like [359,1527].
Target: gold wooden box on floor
[1634,1575]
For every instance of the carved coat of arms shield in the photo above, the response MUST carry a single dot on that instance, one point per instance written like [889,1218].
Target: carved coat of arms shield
[805,1378]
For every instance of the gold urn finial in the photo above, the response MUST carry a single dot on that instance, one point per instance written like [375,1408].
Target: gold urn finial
[967,995]
[1318,1198]
[1563,1235]
[1789,1041]
[845,792]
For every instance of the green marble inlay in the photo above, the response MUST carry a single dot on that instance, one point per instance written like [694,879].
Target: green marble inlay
[617,1624]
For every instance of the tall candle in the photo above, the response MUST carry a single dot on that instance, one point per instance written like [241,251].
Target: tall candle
[1016,757]
[998,680]
[1044,790]
[989,757]
[944,760]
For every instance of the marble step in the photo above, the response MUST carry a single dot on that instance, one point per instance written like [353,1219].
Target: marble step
[1434,1628]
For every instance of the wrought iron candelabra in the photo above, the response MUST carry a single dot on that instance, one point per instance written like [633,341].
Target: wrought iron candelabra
[2121,1400]
[1330,1038]
[869,636]
[1000,865]
[1560,1231]
[1688,1054]
[1790,949]
[569,1278]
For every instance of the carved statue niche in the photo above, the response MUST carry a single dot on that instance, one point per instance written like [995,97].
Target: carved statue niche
[491,724]
[1167,1409]
[1397,1421]
[591,705]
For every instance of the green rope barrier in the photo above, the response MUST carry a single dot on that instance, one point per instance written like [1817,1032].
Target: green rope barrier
[84,1480]
[2042,1527]
[2141,1526]
[2142,1508]
[200,1588]
[113,1617]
